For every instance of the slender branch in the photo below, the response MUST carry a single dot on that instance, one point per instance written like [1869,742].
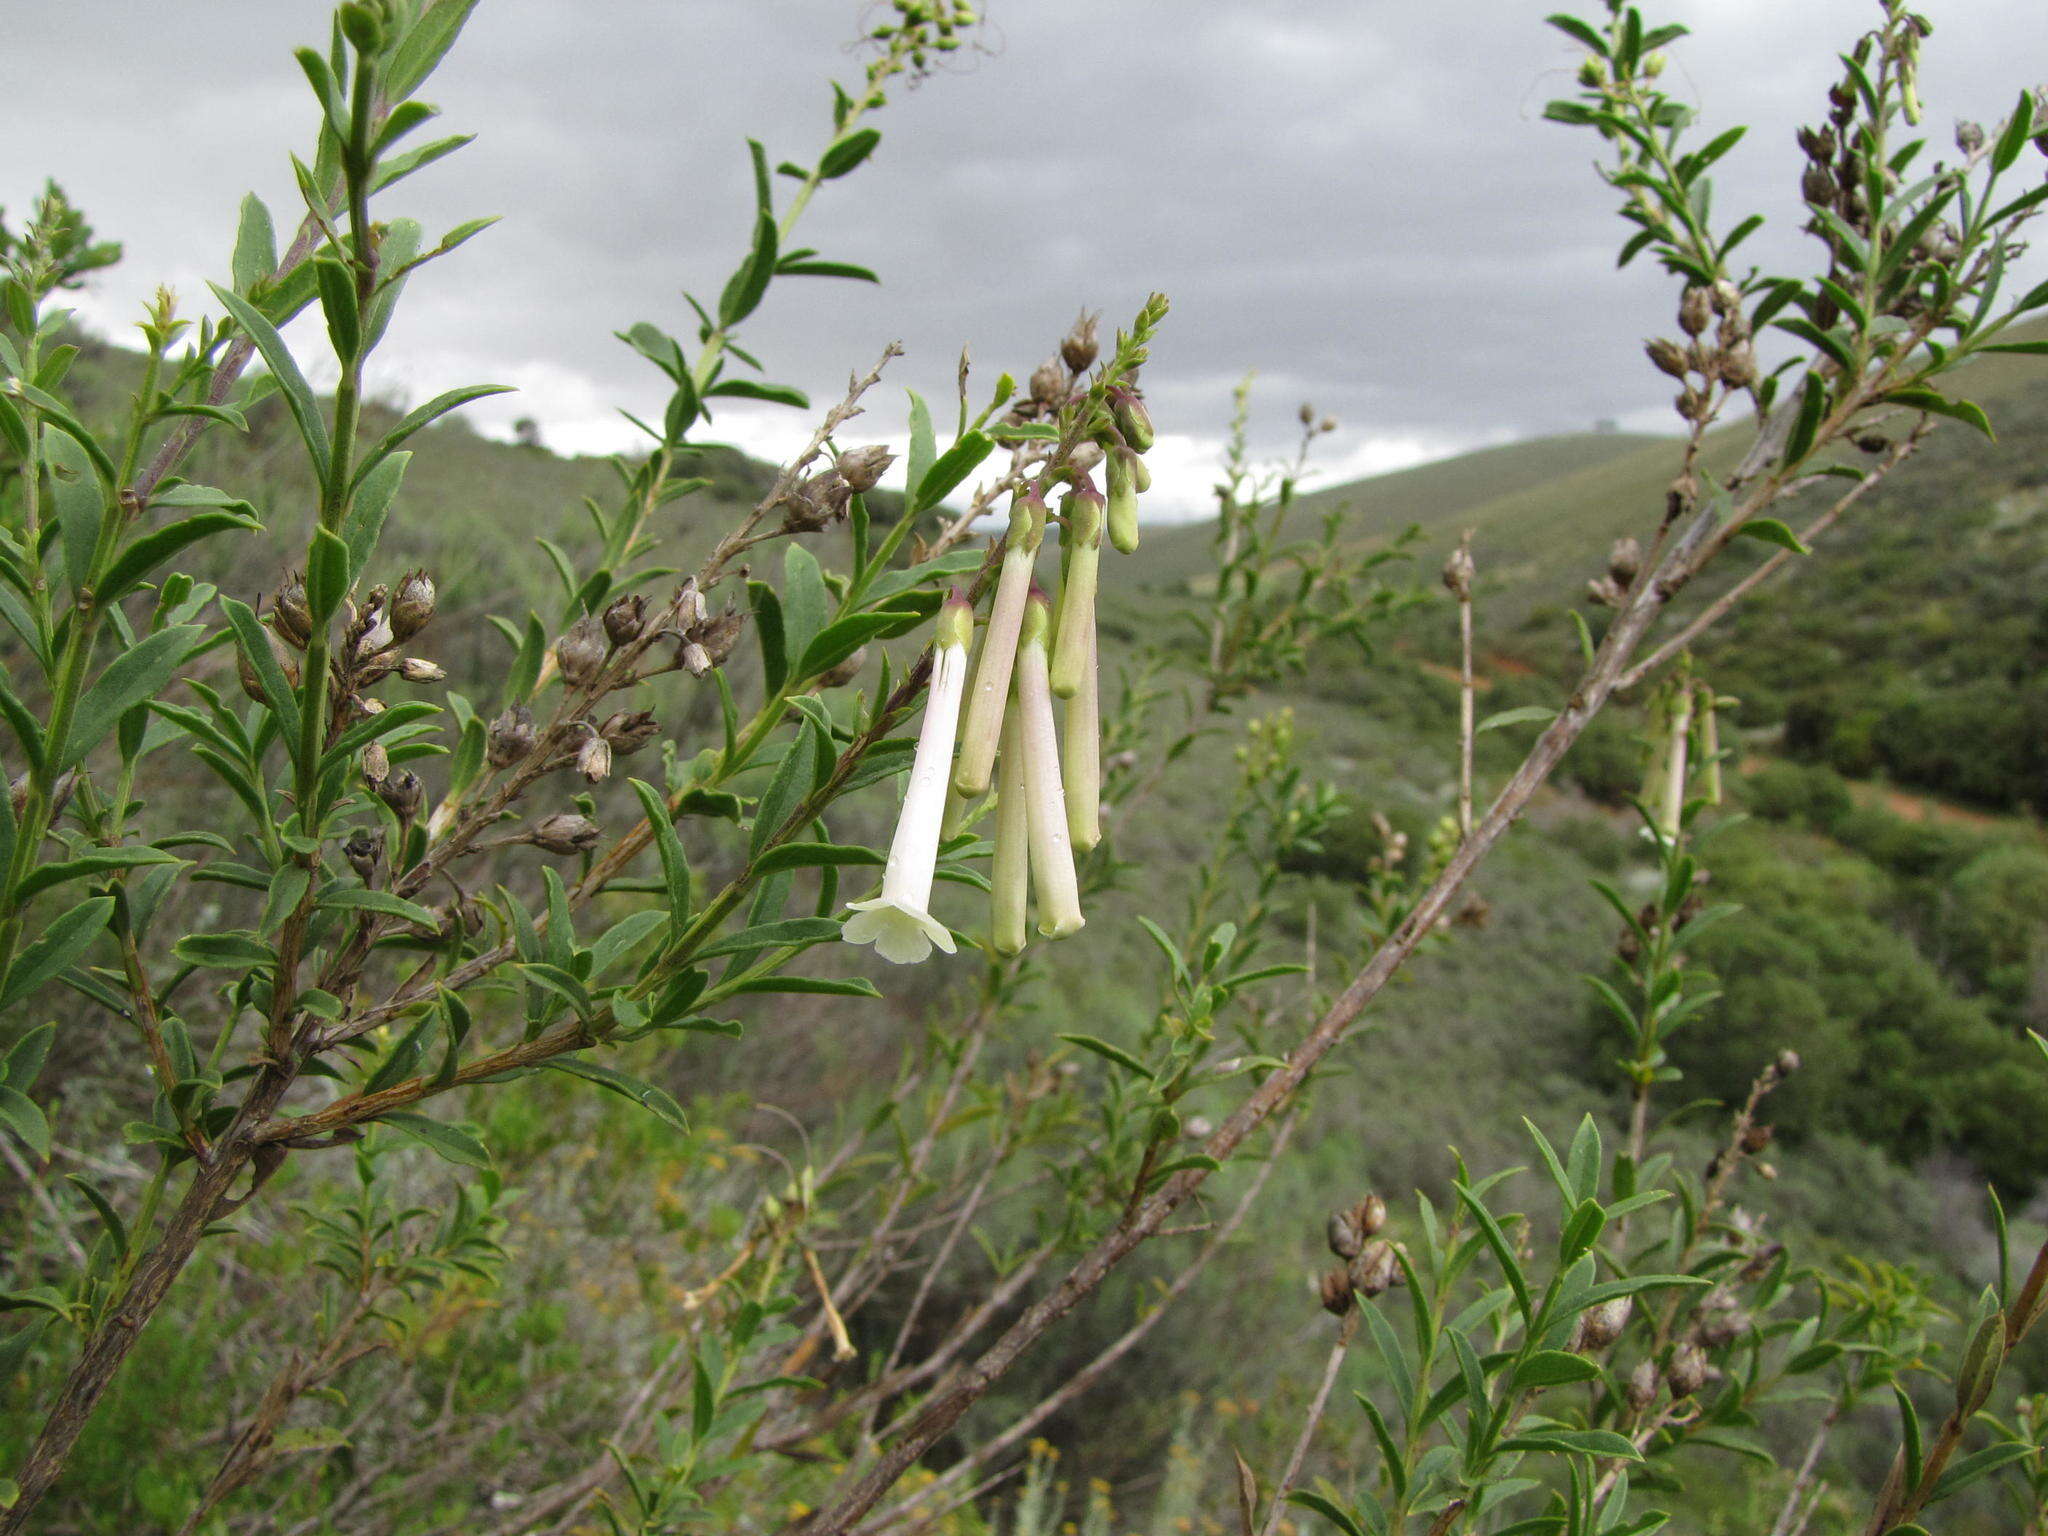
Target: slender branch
[1345,1333]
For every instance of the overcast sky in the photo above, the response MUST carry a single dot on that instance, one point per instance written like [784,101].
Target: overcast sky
[1355,198]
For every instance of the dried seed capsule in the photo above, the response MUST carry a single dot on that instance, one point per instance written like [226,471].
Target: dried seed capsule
[1600,1326]
[290,617]
[594,760]
[1641,1390]
[1458,573]
[365,851]
[412,609]
[1668,355]
[1336,1292]
[1376,1269]
[565,833]
[376,763]
[1695,309]
[694,659]
[402,791]
[1737,366]
[1048,385]
[628,731]
[1624,559]
[1342,1234]
[1787,1063]
[689,604]
[1079,350]
[580,653]
[511,737]
[625,619]
[1686,1371]
[720,635]
[862,468]
[844,672]
[415,669]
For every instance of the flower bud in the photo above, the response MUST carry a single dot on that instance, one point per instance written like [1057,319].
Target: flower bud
[376,764]
[365,851]
[1668,355]
[1079,350]
[629,730]
[1817,186]
[1695,309]
[594,760]
[413,606]
[415,669]
[402,791]
[1819,143]
[565,833]
[290,617]
[862,468]
[1133,421]
[580,653]
[839,674]
[625,619]
[511,737]
[1121,510]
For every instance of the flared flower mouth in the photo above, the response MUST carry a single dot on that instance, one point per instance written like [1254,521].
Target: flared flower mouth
[902,934]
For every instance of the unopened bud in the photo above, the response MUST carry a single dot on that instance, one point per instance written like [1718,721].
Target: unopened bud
[1080,349]
[839,674]
[1133,421]
[1969,136]
[1817,186]
[1737,366]
[580,653]
[412,608]
[1695,310]
[594,760]
[862,468]
[566,833]
[415,669]
[402,791]
[1307,413]
[1691,404]
[625,619]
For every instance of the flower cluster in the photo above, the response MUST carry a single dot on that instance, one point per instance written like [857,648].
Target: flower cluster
[1047,775]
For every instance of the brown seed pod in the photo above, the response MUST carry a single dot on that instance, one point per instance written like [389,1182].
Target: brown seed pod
[565,833]
[625,619]
[511,737]
[580,653]
[412,606]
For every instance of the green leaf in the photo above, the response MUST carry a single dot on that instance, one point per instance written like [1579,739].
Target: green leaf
[815,855]
[924,447]
[90,861]
[64,941]
[1503,1253]
[752,389]
[1979,1465]
[806,603]
[1772,531]
[1603,1443]
[1115,1053]
[675,865]
[252,640]
[837,641]
[81,501]
[21,1115]
[2018,129]
[326,575]
[814,986]
[954,466]
[338,305]
[155,547]
[139,674]
[1937,404]
[743,291]
[1526,714]
[450,1141]
[375,491]
[425,42]
[789,931]
[623,937]
[435,408]
[1553,1368]
[356,898]
[236,951]
[1301,1498]
[848,152]
[767,607]
[24,1061]
[255,245]
[298,394]
[656,1101]
[787,790]
[117,1230]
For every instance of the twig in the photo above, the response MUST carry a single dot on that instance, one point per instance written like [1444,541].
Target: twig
[1346,1331]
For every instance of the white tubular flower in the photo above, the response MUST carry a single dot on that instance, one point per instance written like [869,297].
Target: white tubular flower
[1052,855]
[1665,791]
[1082,759]
[1009,871]
[898,922]
[1081,543]
[991,690]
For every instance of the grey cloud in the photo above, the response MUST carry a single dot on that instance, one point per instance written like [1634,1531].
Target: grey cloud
[1357,199]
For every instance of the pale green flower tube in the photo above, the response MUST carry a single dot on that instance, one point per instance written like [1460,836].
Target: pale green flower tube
[991,688]
[1082,758]
[1010,869]
[1123,469]
[1081,541]
[1052,855]
[898,922]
